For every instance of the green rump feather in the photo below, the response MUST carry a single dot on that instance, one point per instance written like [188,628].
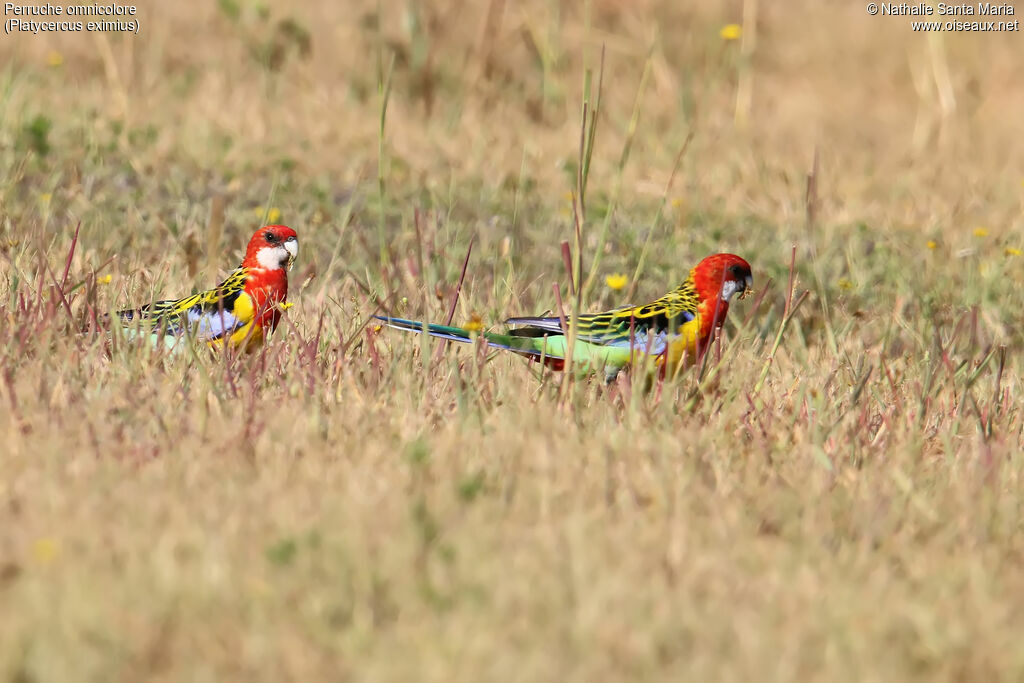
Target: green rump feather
[541,345]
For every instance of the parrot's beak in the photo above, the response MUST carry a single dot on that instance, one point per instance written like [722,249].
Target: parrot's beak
[748,286]
[291,245]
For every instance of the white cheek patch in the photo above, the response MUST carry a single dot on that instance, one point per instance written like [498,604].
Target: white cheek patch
[271,258]
[729,288]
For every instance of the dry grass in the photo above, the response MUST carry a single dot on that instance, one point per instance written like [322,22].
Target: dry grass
[341,506]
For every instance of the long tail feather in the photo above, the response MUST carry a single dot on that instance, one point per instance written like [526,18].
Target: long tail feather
[442,331]
[526,346]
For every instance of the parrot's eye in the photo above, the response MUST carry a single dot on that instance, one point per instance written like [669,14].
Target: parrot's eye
[270,237]
[735,270]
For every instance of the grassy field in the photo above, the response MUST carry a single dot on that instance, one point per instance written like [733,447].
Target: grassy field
[352,504]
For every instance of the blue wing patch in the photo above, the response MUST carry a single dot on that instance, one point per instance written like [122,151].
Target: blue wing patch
[212,324]
[658,342]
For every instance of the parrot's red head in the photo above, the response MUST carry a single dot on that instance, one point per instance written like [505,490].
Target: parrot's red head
[722,276]
[272,247]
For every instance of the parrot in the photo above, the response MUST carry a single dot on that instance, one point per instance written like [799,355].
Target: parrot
[240,311]
[672,329]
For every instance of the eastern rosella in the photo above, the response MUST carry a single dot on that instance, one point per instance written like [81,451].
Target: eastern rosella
[673,328]
[241,310]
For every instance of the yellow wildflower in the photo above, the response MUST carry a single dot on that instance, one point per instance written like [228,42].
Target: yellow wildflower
[54,58]
[475,324]
[105,279]
[616,281]
[45,550]
[731,32]
[1012,251]
[932,244]
[273,214]
[845,284]
[981,232]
